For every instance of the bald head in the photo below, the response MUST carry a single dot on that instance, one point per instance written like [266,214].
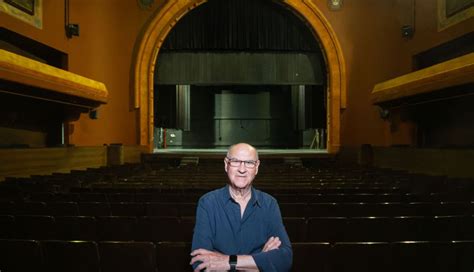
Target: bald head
[242,147]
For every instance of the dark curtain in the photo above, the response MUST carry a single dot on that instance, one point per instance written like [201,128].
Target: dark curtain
[241,25]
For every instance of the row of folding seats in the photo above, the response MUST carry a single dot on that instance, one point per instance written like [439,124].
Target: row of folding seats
[98,208]
[318,229]
[304,197]
[389,209]
[106,228]
[90,256]
[115,197]
[31,255]
[372,198]
[379,229]
[392,257]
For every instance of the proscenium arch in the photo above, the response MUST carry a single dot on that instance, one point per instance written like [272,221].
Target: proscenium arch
[165,19]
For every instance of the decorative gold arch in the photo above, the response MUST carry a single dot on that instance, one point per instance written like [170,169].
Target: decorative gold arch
[164,20]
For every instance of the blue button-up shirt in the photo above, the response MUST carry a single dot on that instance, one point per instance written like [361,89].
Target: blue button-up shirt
[220,227]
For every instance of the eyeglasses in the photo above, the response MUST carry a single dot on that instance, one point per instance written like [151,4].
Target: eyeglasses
[238,163]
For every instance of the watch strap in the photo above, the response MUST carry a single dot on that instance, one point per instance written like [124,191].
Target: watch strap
[233,263]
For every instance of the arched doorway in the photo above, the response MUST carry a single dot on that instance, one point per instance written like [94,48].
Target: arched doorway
[165,19]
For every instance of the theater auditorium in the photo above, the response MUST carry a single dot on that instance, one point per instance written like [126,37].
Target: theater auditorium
[116,117]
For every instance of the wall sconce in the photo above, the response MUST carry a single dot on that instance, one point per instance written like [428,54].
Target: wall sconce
[71,29]
[407,17]
[335,4]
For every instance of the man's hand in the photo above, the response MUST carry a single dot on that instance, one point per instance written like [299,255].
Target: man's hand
[210,260]
[271,244]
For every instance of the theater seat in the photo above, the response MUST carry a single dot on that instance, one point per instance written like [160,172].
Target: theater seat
[293,209]
[71,256]
[413,256]
[116,228]
[186,228]
[7,226]
[20,255]
[162,209]
[187,209]
[463,251]
[7,207]
[362,257]
[63,208]
[31,208]
[93,197]
[326,229]
[126,256]
[311,257]
[121,197]
[76,228]
[94,208]
[368,229]
[173,256]
[412,228]
[38,227]
[296,228]
[127,209]
[159,228]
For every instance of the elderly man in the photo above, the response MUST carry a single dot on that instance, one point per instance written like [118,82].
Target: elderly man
[239,227]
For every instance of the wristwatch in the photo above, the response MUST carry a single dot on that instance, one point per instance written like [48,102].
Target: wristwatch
[233,263]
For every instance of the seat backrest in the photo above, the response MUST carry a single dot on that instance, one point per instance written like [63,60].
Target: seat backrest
[327,229]
[76,228]
[125,256]
[116,228]
[173,256]
[38,227]
[311,256]
[162,208]
[159,228]
[7,226]
[361,257]
[71,256]
[20,255]
[94,208]
[63,208]
[296,228]
[127,209]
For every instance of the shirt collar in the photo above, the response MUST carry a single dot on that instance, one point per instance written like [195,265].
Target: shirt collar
[253,200]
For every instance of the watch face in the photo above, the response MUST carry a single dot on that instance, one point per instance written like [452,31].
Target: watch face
[145,3]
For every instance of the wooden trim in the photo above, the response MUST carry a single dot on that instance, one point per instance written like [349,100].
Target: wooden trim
[164,20]
[450,73]
[132,154]
[44,161]
[19,69]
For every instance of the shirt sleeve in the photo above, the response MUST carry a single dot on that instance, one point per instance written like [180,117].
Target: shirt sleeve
[202,236]
[279,259]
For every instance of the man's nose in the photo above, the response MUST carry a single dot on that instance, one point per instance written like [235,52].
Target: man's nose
[242,168]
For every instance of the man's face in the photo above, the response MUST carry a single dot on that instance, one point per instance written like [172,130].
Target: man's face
[241,174]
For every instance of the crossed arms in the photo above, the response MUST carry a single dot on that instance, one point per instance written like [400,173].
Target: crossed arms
[216,261]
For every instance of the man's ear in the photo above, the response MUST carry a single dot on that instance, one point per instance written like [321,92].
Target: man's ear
[225,166]
[256,167]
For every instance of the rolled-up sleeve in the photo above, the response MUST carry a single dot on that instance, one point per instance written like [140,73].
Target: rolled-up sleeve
[278,259]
